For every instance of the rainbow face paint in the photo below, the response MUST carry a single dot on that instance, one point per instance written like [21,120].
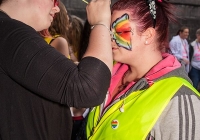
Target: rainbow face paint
[122,32]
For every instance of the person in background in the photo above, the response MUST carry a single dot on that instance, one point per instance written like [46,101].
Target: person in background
[56,34]
[194,73]
[84,40]
[38,84]
[80,114]
[150,96]
[179,47]
[58,42]
[75,34]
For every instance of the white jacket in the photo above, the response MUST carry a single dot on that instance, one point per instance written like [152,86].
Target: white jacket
[180,48]
[195,61]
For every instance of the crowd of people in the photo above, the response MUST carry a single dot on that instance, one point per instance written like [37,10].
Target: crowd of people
[114,76]
[187,53]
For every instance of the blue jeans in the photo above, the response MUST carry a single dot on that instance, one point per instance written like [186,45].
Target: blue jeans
[194,75]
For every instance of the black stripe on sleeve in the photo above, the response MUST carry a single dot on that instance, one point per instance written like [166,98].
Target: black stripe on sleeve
[186,117]
[193,118]
[180,118]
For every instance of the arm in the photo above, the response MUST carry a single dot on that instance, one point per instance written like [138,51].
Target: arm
[100,41]
[29,61]
[180,119]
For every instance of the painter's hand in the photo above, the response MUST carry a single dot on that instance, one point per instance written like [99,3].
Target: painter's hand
[98,11]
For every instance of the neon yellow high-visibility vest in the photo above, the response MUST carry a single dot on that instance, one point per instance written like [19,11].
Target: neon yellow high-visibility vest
[141,111]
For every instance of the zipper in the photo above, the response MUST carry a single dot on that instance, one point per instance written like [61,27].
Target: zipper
[130,90]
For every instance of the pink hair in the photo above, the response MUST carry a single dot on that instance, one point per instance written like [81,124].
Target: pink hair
[141,15]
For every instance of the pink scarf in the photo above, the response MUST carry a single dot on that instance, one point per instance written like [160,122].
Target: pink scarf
[165,66]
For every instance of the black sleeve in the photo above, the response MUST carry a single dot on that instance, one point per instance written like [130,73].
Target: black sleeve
[32,63]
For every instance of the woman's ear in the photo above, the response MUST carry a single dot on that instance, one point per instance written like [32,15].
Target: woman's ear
[148,36]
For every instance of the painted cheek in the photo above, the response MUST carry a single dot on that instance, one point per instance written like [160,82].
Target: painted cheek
[123,40]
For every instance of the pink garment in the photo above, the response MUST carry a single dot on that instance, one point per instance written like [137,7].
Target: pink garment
[165,66]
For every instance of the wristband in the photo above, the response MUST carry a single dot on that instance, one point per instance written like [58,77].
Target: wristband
[92,27]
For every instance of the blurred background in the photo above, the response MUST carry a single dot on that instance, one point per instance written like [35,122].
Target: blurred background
[188,13]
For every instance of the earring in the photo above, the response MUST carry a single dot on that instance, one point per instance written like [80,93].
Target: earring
[146,42]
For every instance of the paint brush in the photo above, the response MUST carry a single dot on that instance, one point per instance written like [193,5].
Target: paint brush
[85,1]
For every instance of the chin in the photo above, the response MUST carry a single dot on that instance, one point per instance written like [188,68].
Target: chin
[115,59]
[47,25]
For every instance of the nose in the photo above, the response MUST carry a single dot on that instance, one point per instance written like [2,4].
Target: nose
[113,43]
[112,39]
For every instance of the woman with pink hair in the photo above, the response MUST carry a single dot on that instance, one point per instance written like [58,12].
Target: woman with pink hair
[150,96]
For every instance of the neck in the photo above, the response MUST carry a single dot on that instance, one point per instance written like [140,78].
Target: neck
[137,72]
[181,37]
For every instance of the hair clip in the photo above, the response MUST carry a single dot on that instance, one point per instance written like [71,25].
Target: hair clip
[152,9]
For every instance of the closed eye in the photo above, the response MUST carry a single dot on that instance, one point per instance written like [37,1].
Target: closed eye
[123,32]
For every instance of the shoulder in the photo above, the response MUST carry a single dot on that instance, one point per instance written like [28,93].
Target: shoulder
[59,42]
[174,40]
[15,25]
[17,31]
[181,113]
[175,37]
[186,102]
[19,34]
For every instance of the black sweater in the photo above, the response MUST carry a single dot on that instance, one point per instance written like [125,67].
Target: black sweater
[38,85]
